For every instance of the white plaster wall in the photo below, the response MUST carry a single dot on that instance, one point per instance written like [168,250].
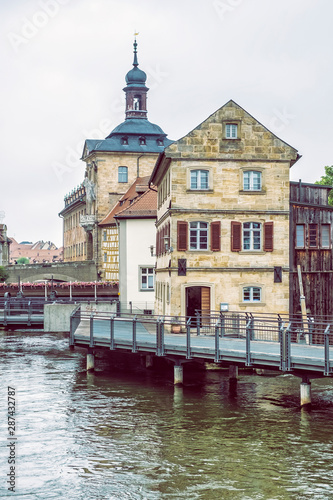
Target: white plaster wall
[140,234]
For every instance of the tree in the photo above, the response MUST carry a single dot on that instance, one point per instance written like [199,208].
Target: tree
[4,275]
[327,180]
[22,260]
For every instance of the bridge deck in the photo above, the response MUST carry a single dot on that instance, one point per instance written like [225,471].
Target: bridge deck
[314,358]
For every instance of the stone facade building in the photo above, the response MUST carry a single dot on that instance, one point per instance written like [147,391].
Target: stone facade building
[112,165]
[223,218]
[4,245]
[74,236]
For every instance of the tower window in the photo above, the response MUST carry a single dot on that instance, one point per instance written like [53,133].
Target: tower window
[137,102]
[122,174]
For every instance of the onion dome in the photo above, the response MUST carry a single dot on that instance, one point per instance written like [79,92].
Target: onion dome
[136,77]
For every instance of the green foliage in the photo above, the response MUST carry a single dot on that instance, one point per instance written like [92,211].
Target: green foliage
[3,274]
[23,260]
[327,180]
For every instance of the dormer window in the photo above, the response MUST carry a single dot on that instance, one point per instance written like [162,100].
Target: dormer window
[124,141]
[159,142]
[142,141]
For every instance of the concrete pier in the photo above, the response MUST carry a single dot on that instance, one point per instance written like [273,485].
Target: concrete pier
[149,360]
[305,393]
[90,360]
[233,372]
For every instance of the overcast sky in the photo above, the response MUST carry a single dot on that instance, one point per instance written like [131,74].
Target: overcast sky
[64,64]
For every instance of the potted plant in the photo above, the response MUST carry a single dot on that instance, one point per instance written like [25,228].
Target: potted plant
[176,326]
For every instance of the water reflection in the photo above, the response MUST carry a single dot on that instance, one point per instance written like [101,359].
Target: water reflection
[118,435]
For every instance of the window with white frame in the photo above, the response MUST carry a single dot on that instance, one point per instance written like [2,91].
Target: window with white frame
[300,236]
[252,236]
[198,235]
[104,236]
[147,278]
[252,180]
[231,131]
[199,179]
[122,174]
[251,294]
[325,236]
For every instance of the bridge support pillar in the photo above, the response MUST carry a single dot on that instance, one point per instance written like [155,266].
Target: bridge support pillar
[149,360]
[233,378]
[233,372]
[305,392]
[90,360]
[178,374]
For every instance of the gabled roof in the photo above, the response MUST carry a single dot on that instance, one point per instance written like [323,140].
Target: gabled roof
[144,207]
[139,186]
[196,144]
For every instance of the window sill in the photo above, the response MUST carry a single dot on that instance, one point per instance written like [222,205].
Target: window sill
[231,139]
[249,303]
[251,191]
[199,190]
[252,252]
[147,289]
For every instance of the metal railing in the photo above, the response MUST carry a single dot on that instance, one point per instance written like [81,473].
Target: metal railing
[251,328]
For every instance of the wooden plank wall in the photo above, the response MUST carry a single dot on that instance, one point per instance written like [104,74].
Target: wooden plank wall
[316,263]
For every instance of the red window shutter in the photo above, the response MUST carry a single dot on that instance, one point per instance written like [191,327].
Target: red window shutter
[182,232]
[236,236]
[162,241]
[158,246]
[215,236]
[268,237]
[313,236]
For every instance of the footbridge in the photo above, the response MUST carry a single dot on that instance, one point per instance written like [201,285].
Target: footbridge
[60,271]
[276,342]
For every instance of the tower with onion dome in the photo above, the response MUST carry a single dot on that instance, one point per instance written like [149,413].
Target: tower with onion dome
[129,152]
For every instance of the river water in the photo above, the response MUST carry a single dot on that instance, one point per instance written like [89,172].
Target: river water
[119,435]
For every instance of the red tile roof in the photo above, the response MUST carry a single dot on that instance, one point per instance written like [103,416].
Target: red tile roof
[139,186]
[144,206]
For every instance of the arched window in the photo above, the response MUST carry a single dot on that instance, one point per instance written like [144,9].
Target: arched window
[137,102]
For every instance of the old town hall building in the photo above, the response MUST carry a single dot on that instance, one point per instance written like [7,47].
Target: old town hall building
[129,152]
